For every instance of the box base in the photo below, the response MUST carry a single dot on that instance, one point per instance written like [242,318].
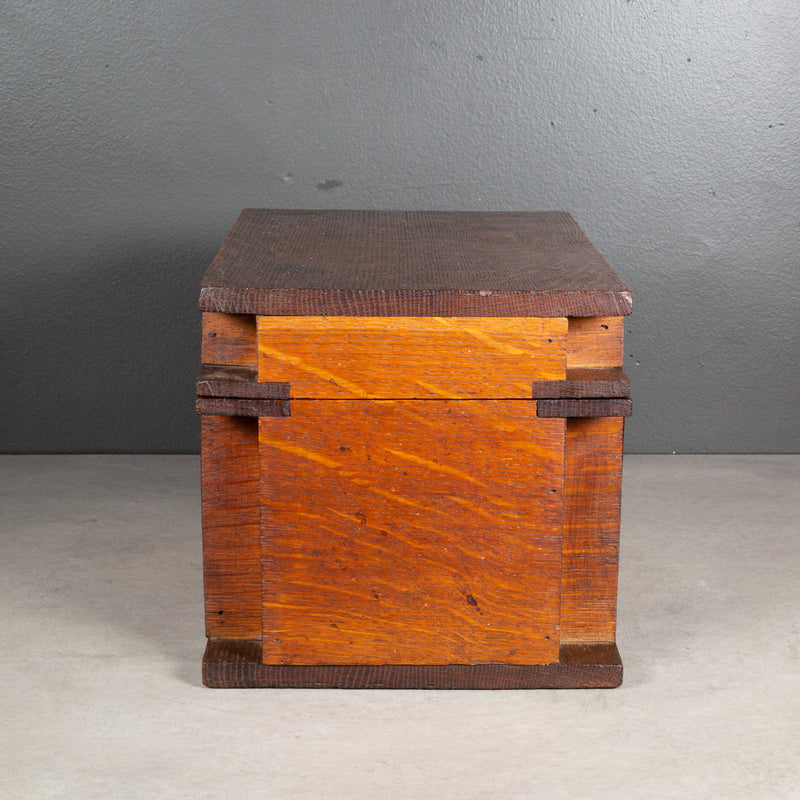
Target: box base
[235,664]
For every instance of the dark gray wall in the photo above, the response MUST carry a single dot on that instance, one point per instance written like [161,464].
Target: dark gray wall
[132,134]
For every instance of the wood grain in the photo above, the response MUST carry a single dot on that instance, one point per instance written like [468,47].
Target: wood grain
[242,407]
[595,342]
[411,532]
[410,357]
[591,529]
[585,383]
[231,524]
[237,665]
[587,407]
[226,381]
[229,339]
[411,263]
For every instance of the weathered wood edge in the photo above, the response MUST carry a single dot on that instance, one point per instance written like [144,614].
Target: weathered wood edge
[585,383]
[233,381]
[413,303]
[242,407]
[230,664]
[586,407]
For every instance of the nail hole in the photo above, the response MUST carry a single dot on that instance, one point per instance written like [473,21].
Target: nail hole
[212,334]
[604,327]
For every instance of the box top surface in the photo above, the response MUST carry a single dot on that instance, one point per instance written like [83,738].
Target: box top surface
[411,263]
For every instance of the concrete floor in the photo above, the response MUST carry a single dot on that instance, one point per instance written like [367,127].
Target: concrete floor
[103,635]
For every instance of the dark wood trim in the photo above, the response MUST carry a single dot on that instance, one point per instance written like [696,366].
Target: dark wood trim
[229,664]
[587,407]
[585,382]
[242,407]
[412,303]
[233,381]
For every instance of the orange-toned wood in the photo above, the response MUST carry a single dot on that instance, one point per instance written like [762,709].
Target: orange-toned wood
[591,529]
[595,341]
[411,532]
[229,339]
[231,546]
[411,357]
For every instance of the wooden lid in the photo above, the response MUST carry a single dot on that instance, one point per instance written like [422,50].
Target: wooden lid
[411,263]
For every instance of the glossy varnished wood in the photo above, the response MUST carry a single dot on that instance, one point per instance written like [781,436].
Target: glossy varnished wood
[237,665]
[231,527]
[411,532]
[411,357]
[593,479]
[411,263]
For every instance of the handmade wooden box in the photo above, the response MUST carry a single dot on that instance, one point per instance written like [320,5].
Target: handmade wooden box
[411,451]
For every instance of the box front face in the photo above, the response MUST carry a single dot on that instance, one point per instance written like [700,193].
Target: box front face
[411,357]
[411,532]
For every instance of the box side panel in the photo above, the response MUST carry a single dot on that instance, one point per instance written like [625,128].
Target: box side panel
[593,478]
[411,357]
[231,544]
[411,532]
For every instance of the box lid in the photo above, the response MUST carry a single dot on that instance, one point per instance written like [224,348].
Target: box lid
[411,263]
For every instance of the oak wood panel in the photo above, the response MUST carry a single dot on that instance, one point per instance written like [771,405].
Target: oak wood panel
[410,357]
[237,665]
[410,532]
[591,529]
[231,381]
[585,382]
[411,263]
[231,524]
[595,342]
[229,339]
[586,407]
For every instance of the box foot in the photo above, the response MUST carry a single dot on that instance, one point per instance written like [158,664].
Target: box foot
[233,664]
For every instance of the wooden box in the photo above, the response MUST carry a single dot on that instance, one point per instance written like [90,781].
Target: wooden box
[411,451]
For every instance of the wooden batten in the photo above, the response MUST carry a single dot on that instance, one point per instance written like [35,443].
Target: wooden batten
[585,382]
[226,381]
[242,407]
[586,407]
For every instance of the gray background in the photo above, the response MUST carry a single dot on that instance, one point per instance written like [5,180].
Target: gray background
[132,135]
